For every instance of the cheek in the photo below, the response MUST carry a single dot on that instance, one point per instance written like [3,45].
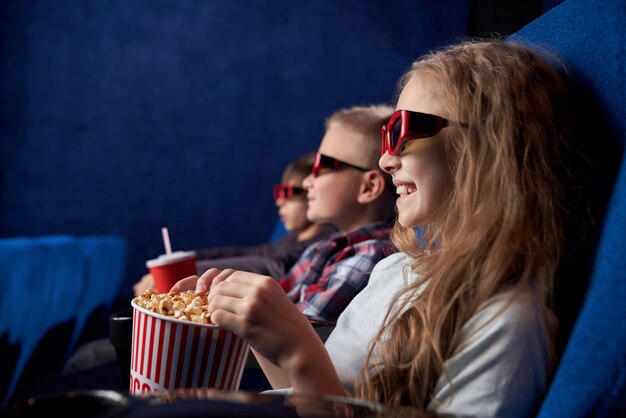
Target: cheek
[429,171]
[432,184]
[300,209]
[431,180]
[439,180]
[332,193]
[296,209]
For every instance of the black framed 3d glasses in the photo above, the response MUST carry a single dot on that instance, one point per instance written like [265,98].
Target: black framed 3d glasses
[324,164]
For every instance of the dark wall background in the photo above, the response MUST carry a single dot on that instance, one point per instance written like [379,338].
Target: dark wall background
[120,117]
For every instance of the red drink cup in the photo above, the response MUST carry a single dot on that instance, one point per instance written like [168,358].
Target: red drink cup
[167,269]
[168,353]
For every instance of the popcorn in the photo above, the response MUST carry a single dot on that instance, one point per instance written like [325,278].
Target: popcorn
[186,306]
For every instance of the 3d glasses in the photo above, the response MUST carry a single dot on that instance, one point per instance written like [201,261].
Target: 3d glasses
[406,125]
[285,191]
[323,164]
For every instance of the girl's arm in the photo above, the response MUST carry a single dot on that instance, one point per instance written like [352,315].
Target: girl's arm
[257,309]
[321,381]
[274,374]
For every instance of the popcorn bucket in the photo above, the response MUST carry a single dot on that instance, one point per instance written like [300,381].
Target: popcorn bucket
[169,353]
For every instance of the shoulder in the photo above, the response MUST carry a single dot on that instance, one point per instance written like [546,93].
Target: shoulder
[371,245]
[317,246]
[392,273]
[368,253]
[288,237]
[394,261]
[508,314]
[376,246]
[502,359]
[373,266]
[289,243]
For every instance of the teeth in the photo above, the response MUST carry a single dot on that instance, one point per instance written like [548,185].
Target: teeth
[405,189]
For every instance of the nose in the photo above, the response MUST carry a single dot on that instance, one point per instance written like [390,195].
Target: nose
[279,202]
[307,183]
[389,163]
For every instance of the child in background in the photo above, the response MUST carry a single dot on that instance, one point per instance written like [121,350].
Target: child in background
[272,258]
[460,322]
[348,190]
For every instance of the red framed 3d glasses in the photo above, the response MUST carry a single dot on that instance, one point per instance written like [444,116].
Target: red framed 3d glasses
[406,125]
[323,164]
[285,191]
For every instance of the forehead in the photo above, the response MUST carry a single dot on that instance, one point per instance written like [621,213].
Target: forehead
[293,180]
[342,143]
[419,95]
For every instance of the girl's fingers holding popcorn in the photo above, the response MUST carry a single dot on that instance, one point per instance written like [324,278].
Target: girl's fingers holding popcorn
[204,282]
[188,283]
[228,288]
[228,312]
[246,277]
[231,304]
[219,278]
[226,319]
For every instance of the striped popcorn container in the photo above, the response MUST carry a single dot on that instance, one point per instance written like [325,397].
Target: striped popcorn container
[168,353]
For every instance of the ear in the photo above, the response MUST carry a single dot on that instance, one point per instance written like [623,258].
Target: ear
[372,186]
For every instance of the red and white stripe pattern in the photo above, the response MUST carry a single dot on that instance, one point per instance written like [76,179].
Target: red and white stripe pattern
[169,355]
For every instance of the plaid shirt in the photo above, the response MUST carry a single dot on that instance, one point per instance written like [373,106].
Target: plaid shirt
[331,272]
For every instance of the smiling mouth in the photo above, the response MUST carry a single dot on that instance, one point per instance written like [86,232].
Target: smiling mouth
[405,189]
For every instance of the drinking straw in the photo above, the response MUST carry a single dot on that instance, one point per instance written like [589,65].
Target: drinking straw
[166,240]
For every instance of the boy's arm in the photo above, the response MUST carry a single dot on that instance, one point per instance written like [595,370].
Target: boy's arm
[264,249]
[269,266]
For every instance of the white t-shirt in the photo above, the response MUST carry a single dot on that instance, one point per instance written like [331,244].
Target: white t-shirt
[502,370]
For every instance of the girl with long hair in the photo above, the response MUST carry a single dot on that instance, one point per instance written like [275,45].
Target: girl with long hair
[460,319]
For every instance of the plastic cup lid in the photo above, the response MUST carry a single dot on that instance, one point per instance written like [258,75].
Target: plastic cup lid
[170,258]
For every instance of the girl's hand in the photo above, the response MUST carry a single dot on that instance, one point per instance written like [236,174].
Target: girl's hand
[256,308]
[201,284]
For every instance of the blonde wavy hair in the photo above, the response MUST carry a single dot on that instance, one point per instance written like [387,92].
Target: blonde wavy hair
[501,226]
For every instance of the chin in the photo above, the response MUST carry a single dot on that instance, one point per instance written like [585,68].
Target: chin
[314,219]
[408,223]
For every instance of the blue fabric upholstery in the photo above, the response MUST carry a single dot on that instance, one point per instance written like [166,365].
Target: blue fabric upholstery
[41,285]
[590,37]
[48,288]
[104,258]
[279,231]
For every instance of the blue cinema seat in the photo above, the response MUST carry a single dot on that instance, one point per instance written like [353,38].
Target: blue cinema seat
[105,260]
[49,287]
[35,299]
[590,37]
